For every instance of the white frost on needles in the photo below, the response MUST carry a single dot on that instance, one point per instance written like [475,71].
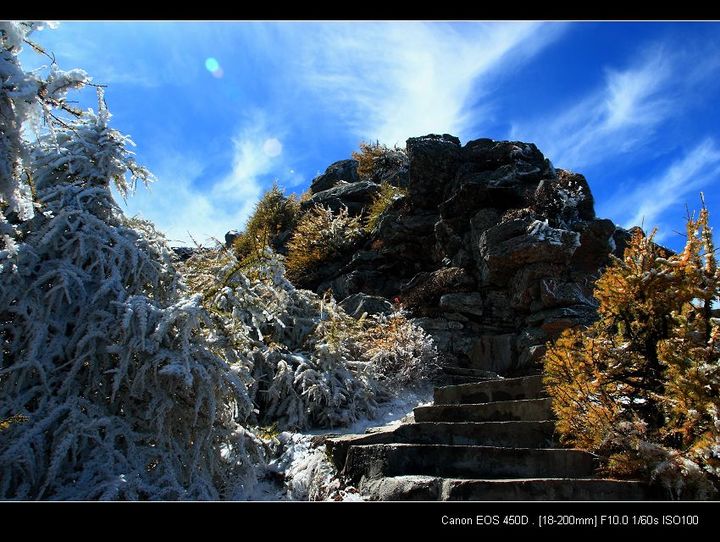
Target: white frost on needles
[119,381]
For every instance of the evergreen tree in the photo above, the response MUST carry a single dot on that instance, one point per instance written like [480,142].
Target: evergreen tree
[103,360]
[640,386]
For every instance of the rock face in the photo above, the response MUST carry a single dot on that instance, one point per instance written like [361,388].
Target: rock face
[342,170]
[355,196]
[493,249]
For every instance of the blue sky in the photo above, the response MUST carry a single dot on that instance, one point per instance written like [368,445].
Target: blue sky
[219,110]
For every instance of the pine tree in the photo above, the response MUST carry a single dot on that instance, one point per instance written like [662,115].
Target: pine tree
[640,386]
[104,361]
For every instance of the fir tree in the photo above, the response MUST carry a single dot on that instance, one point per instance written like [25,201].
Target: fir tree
[640,386]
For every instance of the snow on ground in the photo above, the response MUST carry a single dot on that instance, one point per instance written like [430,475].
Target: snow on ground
[301,471]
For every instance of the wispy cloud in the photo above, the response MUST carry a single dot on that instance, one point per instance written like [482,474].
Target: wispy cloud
[625,112]
[187,206]
[397,80]
[611,119]
[683,179]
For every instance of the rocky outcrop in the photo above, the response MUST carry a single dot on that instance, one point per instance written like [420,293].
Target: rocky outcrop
[492,249]
[355,196]
[342,170]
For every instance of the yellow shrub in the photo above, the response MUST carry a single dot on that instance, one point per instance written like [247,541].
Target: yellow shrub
[273,214]
[388,193]
[641,386]
[320,236]
[376,160]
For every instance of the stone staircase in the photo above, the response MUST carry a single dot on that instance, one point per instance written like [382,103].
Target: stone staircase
[491,440]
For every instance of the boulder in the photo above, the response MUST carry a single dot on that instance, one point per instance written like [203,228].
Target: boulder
[470,197]
[424,290]
[524,287]
[434,160]
[507,247]
[556,293]
[565,199]
[528,162]
[342,170]
[493,246]
[464,303]
[554,321]
[448,243]
[531,358]
[358,304]
[596,243]
[355,196]
[494,353]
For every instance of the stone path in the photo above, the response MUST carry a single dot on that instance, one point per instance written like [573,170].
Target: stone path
[491,440]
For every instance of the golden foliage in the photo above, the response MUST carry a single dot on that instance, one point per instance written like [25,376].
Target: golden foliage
[641,386]
[273,214]
[388,193]
[7,422]
[319,236]
[375,160]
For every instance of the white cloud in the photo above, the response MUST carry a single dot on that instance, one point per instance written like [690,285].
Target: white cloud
[186,206]
[623,114]
[391,81]
[684,179]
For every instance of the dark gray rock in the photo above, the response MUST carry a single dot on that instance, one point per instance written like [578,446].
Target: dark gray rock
[424,291]
[494,353]
[507,247]
[554,321]
[181,254]
[555,293]
[448,243]
[565,199]
[490,239]
[525,157]
[358,304]
[230,238]
[466,302]
[355,196]
[531,358]
[596,243]
[434,160]
[524,286]
[342,170]
[470,197]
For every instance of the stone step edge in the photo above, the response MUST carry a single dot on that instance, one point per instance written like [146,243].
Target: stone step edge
[441,486]
[493,381]
[338,445]
[499,403]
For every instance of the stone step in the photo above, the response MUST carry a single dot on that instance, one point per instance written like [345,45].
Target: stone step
[429,488]
[378,460]
[523,410]
[466,371]
[535,434]
[454,380]
[507,389]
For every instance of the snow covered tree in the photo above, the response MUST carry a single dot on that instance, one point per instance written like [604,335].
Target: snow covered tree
[117,391]
[641,386]
[124,377]
[311,364]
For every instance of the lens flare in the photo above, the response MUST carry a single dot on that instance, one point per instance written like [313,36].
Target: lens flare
[213,66]
[272,147]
